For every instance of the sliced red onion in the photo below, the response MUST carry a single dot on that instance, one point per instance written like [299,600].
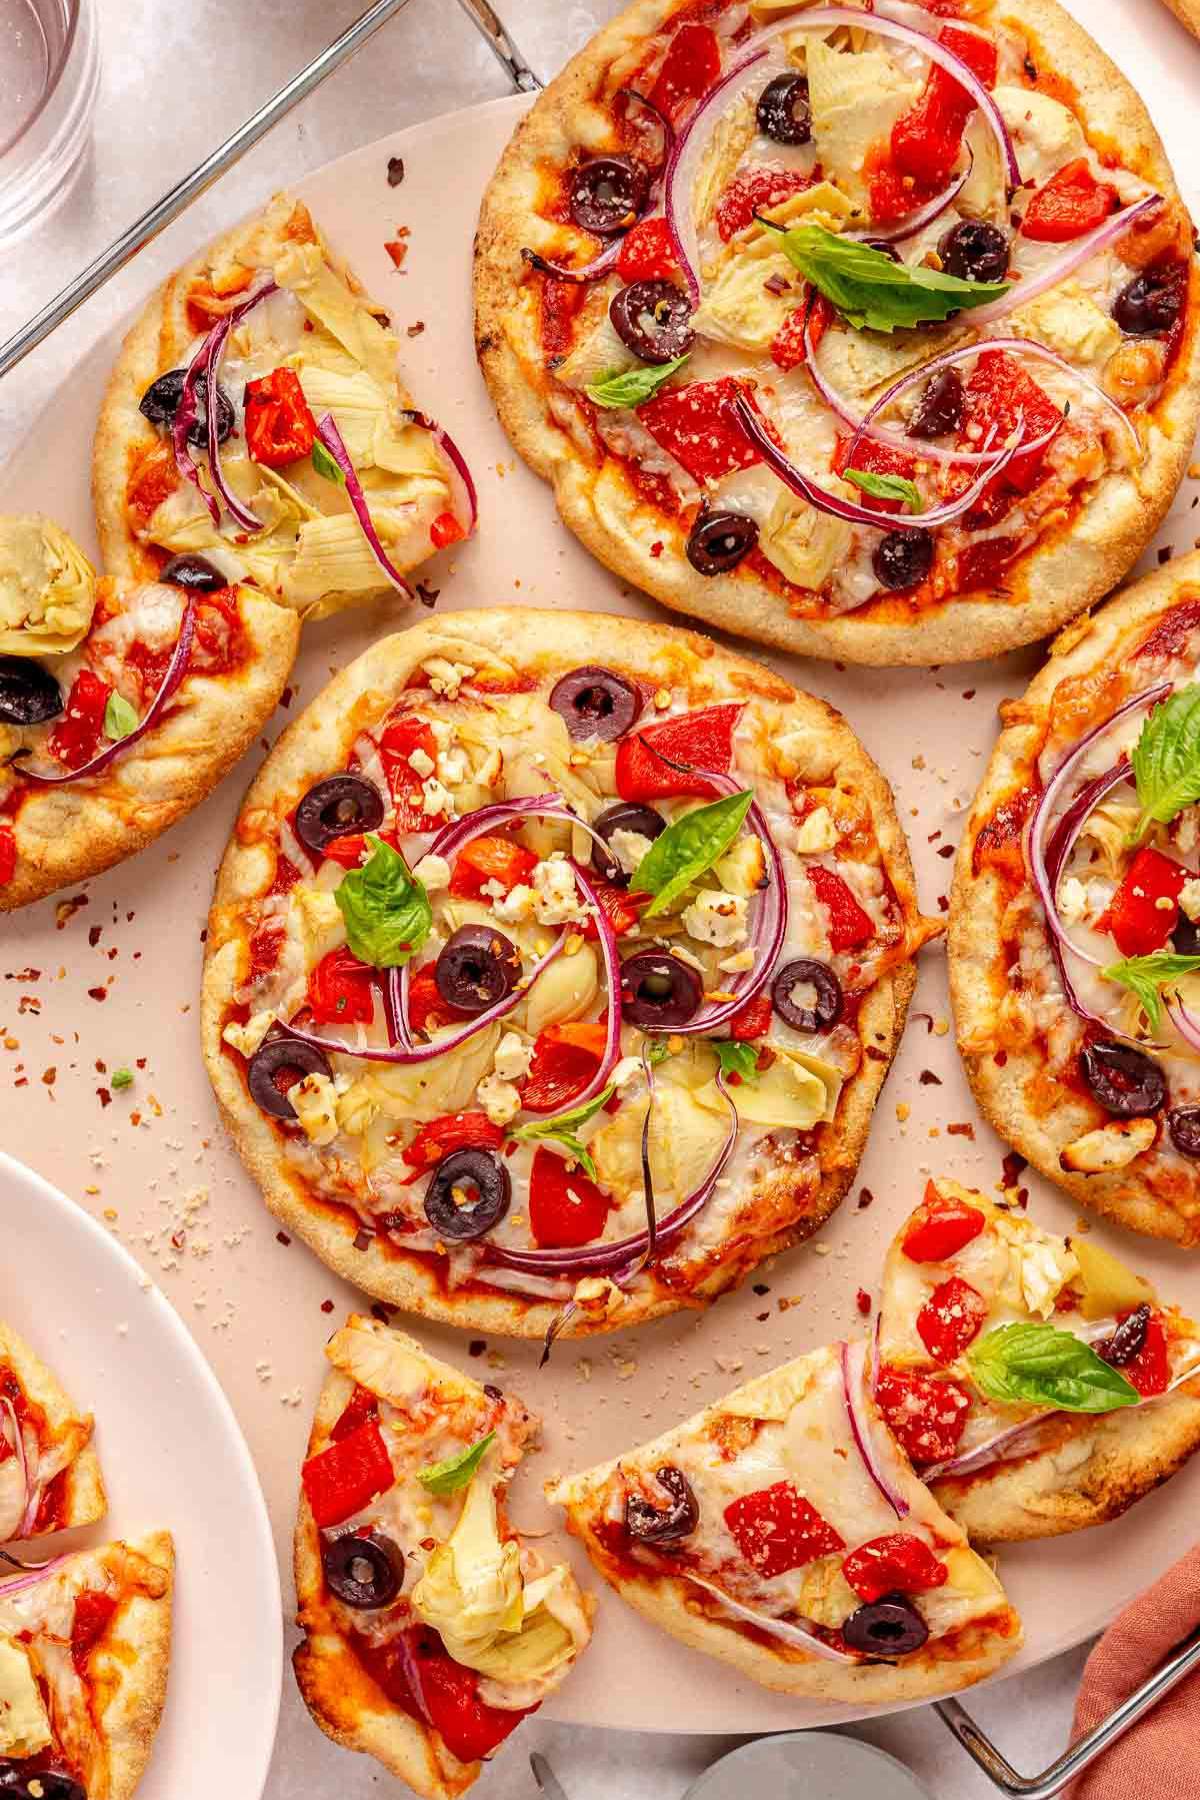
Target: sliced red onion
[925,215]
[1005,1446]
[207,360]
[1066,836]
[466,508]
[801,1637]
[853,1360]
[31,1577]
[668,130]
[687,151]
[176,669]
[411,1666]
[242,515]
[1185,1021]
[590,271]
[1080,252]
[186,414]
[331,437]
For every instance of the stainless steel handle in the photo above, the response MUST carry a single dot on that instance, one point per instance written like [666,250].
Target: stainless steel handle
[499,40]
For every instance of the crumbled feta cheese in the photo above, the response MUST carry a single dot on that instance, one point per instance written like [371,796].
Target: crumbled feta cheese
[738,963]
[715,918]
[513,1056]
[452,767]
[516,907]
[555,897]
[628,848]
[433,872]
[421,763]
[1189,899]
[446,677]
[443,733]
[249,1036]
[315,1103]
[1045,1269]
[625,1072]
[817,832]
[434,797]
[493,889]
[499,1099]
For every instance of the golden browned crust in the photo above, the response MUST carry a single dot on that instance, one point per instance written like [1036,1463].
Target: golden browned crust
[314,743]
[978,978]
[83,1497]
[69,833]
[1069,569]
[129,1669]
[1188,13]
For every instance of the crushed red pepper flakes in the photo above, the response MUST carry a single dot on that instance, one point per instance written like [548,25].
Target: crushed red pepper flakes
[929,1079]
[24,975]
[477,1346]
[416,329]
[863,1302]
[875,1054]
[104,1097]
[965,1129]
[760,1288]
[98,993]
[281,1237]
[50,1075]
[94,935]
[946,850]
[65,911]
[395,172]
[1012,1168]
[865,1199]
[944,902]
[327,1306]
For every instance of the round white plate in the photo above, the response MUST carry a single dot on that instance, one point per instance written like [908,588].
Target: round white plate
[174,1457]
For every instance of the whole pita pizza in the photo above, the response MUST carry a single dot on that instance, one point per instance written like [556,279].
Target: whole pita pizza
[874,340]
[554,968]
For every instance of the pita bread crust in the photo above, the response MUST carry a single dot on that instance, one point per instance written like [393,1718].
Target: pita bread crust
[317,740]
[83,1497]
[67,834]
[129,1667]
[976,909]
[1188,13]
[1070,568]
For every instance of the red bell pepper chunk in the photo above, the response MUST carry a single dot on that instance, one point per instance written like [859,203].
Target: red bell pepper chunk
[998,396]
[951,1318]
[849,925]
[754,189]
[925,142]
[1071,203]
[940,1228]
[8,854]
[777,1529]
[280,428]
[691,66]
[359,1408]
[401,738]
[78,734]
[426,1008]
[566,1210]
[1150,1369]
[647,253]
[467,1725]
[445,530]
[702,740]
[895,1563]
[874,459]
[694,424]
[488,859]
[341,990]
[351,849]
[620,907]
[752,1021]
[454,1131]
[1144,911]
[564,1061]
[343,1479]
[926,1414]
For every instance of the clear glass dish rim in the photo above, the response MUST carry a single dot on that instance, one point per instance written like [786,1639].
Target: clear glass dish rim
[53,80]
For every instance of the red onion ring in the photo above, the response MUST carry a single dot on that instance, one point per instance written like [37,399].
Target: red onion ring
[1079,253]
[175,671]
[185,417]
[1185,1021]
[990,1451]
[676,204]
[802,1637]
[331,437]
[590,271]
[31,1579]
[458,466]
[187,412]
[853,1361]
[925,215]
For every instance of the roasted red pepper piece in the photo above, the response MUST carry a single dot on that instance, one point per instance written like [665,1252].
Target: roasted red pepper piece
[896,1563]
[1071,203]
[400,739]
[1144,911]
[426,1008]
[702,740]
[926,1414]
[951,1319]
[874,459]
[361,1406]
[753,189]
[350,850]
[619,906]
[999,394]
[777,1529]
[566,1210]
[940,1228]
[454,1131]
[753,1020]
[694,424]
[8,854]
[341,989]
[340,1481]
[488,859]
[564,1061]
[691,66]
[280,429]
[1150,1369]
[445,530]
[78,735]
[849,925]
[469,1728]
[647,253]
[925,142]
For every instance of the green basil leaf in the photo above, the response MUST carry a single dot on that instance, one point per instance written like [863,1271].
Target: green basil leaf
[1146,976]
[736,1059]
[686,849]
[386,909]
[873,292]
[887,487]
[631,387]
[1048,1367]
[562,1128]
[1166,760]
[120,1078]
[447,1477]
[119,717]
[325,464]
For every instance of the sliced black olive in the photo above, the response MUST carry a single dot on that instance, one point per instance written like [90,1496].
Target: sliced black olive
[338,805]
[1151,303]
[807,995]
[651,1524]
[160,402]
[1186,936]
[1124,1080]
[29,694]
[46,1784]
[658,991]
[973,250]
[784,111]
[903,559]
[654,320]
[282,1057]
[720,540]
[884,248]
[940,408]
[626,815]
[594,702]
[607,194]
[887,1627]
[363,1568]
[1127,1340]
[12,1775]
[1183,1123]
[195,573]
[476,968]
[469,1193]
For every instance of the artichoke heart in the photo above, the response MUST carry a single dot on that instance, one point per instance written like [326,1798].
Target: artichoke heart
[47,588]
[805,545]
[319,922]
[798,1091]
[381,1360]
[303,270]
[333,556]
[856,99]
[685,1140]
[739,308]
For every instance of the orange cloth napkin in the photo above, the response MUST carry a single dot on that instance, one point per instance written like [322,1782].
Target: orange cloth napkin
[1158,1758]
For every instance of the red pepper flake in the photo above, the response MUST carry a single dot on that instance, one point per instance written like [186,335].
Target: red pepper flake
[281,1237]
[656,548]
[865,1199]
[417,329]
[287,696]
[1012,1168]
[29,1003]
[968,693]
[97,993]
[397,252]
[947,850]
[94,935]
[1000,1058]
[929,1079]
[395,170]
[327,1306]
[477,1346]
[944,902]
[178,1239]
[381,1313]
[50,1075]
[760,1288]
[102,1094]
[363,1239]
[428,596]
[863,1302]
[24,975]
[762,1317]
[965,1129]
[876,1054]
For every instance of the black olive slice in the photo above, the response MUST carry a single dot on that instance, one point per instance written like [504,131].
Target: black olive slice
[1151,303]
[1125,1081]
[195,573]
[903,559]
[1186,936]
[29,694]
[331,808]
[784,112]
[476,968]
[625,815]
[273,1063]
[651,1524]
[1127,1340]
[607,194]
[719,541]
[39,1784]
[653,319]
[973,250]
[469,1194]
[160,402]
[659,991]
[940,408]
[1183,1123]
[363,1568]
[807,995]
[887,1627]
[593,702]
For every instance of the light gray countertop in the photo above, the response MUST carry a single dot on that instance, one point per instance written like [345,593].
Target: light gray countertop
[176,79]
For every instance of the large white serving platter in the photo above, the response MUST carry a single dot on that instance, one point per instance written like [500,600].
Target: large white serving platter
[261,1309]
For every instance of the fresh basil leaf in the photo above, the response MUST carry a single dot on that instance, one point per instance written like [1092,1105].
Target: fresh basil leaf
[447,1477]
[1048,1367]
[657,1051]
[632,387]
[682,853]
[325,464]
[562,1128]
[873,292]
[386,909]
[1166,760]
[119,717]
[1146,976]
[887,487]
[736,1059]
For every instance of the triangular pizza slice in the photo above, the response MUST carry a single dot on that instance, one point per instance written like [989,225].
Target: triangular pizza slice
[49,1472]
